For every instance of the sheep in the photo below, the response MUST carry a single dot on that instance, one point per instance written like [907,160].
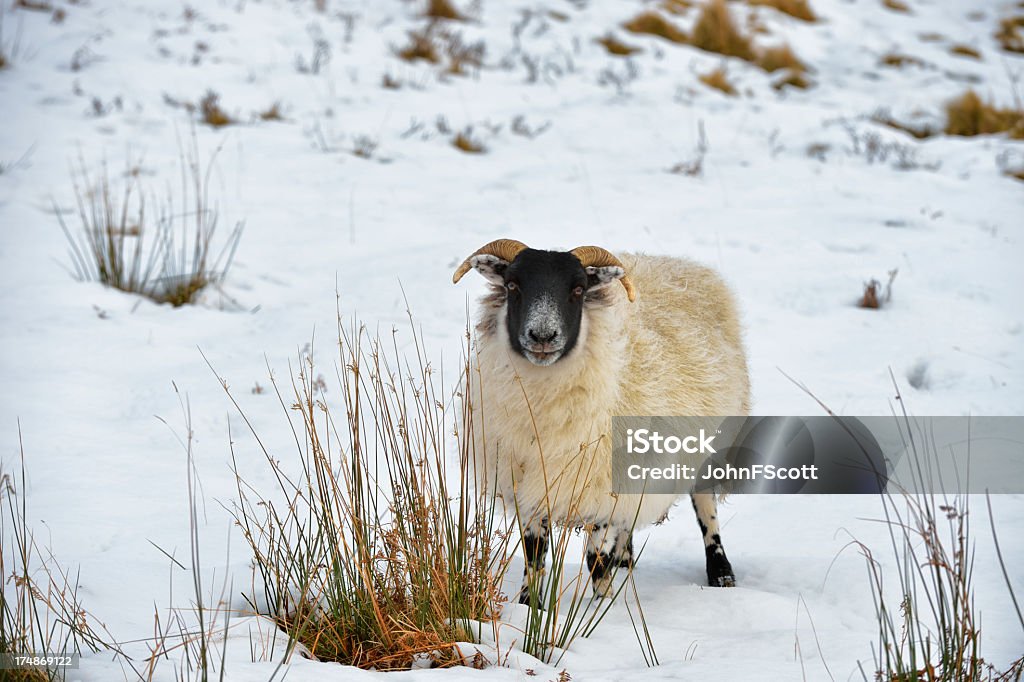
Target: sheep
[559,350]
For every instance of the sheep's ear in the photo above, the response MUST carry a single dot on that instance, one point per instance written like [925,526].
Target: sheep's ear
[491,267]
[601,277]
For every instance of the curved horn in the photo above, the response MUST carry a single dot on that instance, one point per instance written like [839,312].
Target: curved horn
[505,249]
[595,256]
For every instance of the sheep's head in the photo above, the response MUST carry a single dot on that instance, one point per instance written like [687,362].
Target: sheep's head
[545,292]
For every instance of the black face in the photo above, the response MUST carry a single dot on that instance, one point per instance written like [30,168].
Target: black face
[546,290]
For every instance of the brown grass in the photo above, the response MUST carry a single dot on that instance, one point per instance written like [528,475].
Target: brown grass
[652,23]
[794,8]
[465,142]
[775,58]
[616,46]
[965,51]
[272,113]
[719,80]
[792,79]
[211,111]
[896,6]
[898,61]
[715,31]
[969,115]
[677,7]
[1009,35]
[422,46]
[922,132]
[443,9]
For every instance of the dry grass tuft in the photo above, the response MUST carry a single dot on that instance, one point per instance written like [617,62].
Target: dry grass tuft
[40,606]
[466,142]
[676,7]
[792,79]
[422,46]
[211,111]
[169,257]
[719,80]
[969,115]
[794,8]
[652,23]
[920,131]
[896,6]
[443,9]
[715,31]
[775,58]
[873,297]
[381,555]
[898,61]
[965,51]
[272,113]
[1009,35]
[616,46]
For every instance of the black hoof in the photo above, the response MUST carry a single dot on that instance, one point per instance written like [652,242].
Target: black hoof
[720,572]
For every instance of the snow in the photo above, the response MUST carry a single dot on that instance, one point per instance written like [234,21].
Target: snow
[85,368]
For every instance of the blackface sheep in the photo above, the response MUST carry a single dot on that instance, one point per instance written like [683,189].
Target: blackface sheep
[564,341]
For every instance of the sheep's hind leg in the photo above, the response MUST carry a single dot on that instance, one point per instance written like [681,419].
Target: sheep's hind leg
[535,547]
[719,569]
[607,548]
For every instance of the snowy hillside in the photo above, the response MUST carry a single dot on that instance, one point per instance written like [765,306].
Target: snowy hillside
[358,171]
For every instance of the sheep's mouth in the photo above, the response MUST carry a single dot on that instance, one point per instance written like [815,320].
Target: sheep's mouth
[542,358]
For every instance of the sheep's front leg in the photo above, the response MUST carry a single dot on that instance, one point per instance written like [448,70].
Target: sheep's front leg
[535,546]
[719,569]
[607,547]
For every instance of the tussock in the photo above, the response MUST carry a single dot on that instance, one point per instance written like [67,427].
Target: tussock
[774,59]
[794,8]
[898,60]
[652,23]
[466,142]
[211,112]
[40,606]
[792,79]
[715,31]
[965,51]
[168,257]
[272,113]
[380,554]
[1009,35]
[969,115]
[931,631]
[719,80]
[616,46]
[920,131]
[422,46]
[443,9]
[896,6]
[873,297]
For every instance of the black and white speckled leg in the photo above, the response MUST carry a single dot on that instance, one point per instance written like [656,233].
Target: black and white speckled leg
[720,573]
[623,554]
[608,547]
[536,533]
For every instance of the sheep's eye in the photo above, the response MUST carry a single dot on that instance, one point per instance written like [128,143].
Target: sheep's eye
[578,291]
[511,286]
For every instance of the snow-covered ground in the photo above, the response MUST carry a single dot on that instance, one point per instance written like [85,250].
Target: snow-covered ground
[791,205]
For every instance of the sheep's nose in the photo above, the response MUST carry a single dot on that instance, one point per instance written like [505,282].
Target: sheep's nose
[542,336]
